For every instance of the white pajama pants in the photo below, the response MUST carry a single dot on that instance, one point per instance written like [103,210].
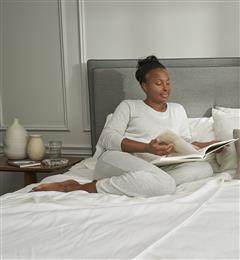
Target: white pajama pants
[125,174]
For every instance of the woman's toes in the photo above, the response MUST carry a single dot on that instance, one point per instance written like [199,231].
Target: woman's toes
[38,188]
[56,186]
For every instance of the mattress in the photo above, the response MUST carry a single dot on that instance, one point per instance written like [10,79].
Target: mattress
[201,220]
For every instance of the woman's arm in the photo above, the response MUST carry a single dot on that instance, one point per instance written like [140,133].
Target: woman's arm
[113,132]
[204,144]
[155,147]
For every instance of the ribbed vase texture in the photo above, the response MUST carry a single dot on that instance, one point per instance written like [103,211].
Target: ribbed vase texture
[15,141]
[36,148]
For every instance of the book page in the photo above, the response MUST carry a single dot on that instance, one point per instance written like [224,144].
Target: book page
[200,156]
[180,145]
[176,159]
[214,147]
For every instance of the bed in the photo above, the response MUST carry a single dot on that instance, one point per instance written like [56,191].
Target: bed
[199,221]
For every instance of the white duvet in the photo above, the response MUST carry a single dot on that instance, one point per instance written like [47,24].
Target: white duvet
[200,221]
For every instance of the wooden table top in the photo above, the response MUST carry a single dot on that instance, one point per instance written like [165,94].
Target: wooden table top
[4,166]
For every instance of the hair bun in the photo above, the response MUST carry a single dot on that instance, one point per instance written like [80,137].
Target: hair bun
[147,60]
[145,65]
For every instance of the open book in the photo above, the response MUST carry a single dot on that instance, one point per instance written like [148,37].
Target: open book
[186,152]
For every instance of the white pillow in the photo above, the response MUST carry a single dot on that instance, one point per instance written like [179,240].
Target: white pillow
[235,111]
[224,123]
[202,129]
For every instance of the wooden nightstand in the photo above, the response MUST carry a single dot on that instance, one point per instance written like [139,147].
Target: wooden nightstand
[30,173]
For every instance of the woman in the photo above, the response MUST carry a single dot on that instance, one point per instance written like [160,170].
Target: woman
[130,142]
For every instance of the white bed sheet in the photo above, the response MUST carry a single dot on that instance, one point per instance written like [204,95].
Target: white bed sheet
[199,221]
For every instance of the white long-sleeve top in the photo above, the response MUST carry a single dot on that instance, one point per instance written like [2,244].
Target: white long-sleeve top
[135,120]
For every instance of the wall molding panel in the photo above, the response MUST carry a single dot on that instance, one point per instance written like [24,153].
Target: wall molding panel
[81,150]
[64,65]
[83,65]
[64,75]
[1,63]
[78,150]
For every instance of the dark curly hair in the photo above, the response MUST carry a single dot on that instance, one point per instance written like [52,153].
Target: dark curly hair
[145,65]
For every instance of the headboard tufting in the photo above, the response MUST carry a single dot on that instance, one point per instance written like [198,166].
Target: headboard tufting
[198,84]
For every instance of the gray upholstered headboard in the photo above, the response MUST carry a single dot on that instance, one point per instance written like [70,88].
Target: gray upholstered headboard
[197,84]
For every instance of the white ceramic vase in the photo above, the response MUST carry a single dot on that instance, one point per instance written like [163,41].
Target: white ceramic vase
[15,141]
[36,148]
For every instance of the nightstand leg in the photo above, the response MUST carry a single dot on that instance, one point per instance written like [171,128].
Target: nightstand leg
[29,178]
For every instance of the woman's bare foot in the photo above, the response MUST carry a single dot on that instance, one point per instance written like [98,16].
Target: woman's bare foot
[66,186]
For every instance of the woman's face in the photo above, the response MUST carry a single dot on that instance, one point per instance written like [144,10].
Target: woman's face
[157,86]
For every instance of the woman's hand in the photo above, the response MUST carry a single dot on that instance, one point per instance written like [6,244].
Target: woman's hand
[155,147]
[159,148]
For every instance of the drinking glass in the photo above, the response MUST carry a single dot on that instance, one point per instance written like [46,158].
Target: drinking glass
[55,148]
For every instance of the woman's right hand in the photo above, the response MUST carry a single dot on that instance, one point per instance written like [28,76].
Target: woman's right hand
[159,148]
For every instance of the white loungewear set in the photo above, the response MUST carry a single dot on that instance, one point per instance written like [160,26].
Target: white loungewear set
[129,174]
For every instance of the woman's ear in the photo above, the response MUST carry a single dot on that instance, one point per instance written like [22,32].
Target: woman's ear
[144,87]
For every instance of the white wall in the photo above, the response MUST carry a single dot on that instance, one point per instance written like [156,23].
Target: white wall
[44,46]
[169,29]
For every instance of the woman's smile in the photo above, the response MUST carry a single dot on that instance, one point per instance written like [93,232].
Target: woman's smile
[164,95]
